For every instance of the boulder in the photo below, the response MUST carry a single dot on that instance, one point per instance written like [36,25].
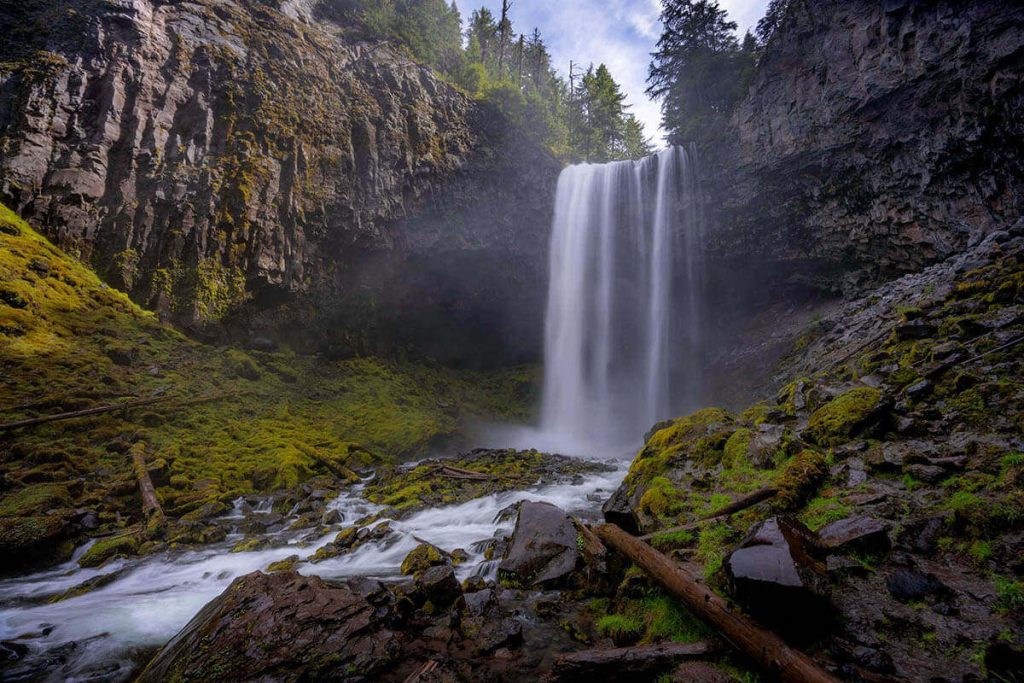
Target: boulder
[777,575]
[281,626]
[438,585]
[909,584]
[543,551]
[423,557]
[859,534]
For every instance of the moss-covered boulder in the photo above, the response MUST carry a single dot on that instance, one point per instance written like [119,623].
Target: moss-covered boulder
[423,557]
[106,548]
[836,421]
[25,541]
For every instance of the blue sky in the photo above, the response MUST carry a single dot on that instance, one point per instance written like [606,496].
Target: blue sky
[620,33]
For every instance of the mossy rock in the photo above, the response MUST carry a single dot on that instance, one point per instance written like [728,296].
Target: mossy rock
[249,545]
[286,565]
[25,540]
[424,556]
[836,421]
[106,548]
[799,479]
[35,499]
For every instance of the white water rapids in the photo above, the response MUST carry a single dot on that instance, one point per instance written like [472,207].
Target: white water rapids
[101,635]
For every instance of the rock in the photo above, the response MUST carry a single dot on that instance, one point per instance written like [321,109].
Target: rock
[908,584]
[261,344]
[477,603]
[619,509]
[931,474]
[332,517]
[777,575]
[859,534]
[543,551]
[765,444]
[915,330]
[389,171]
[438,585]
[700,672]
[89,521]
[493,635]
[922,535]
[286,565]
[919,390]
[280,626]
[474,583]
[423,557]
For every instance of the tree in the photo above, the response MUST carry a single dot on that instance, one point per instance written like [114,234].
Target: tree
[699,70]
[635,143]
[771,20]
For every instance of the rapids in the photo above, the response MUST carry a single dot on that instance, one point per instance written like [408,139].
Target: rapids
[106,634]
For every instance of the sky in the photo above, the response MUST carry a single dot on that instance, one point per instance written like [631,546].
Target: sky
[619,33]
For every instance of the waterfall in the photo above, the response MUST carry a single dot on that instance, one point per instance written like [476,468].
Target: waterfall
[623,336]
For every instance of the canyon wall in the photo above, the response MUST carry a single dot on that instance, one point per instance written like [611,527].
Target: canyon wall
[253,169]
[876,138]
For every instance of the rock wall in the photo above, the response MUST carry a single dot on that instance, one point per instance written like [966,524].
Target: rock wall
[249,166]
[876,138]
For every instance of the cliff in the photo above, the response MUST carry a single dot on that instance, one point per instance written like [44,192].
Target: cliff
[876,138]
[259,169]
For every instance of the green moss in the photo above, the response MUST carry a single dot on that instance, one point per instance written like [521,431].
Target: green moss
[836,421]
[424,556]
[712,546]
[285,565]
[105,548]
[799,478]
[661,498]
[736,448]
[622,628]
[36,499]
[1009,594]
[824,510]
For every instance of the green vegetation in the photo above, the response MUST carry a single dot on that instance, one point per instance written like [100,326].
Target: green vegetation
[238,422]
[583,119]
[836,421]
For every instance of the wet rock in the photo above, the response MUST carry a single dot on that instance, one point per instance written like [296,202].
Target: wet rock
[275,627]
[777,575]
[619,509]
[332,517]
[543,549]
[909,584]
[922,535]
[286,565]
[474,583]
[438,585]
[859,534]
[477,603]
[261,344]
[496,634]
[422,557]
[90,521]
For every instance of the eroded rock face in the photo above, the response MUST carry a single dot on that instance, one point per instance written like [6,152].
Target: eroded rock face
[228,162]
[879,137]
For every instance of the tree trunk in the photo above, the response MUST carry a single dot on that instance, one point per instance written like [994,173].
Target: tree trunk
[150,505]
[754,641]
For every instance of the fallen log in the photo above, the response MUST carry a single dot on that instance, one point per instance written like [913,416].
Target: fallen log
[455,473]
[150,505]
[337,469]
[753,499]
[426,668]
[761,645]
[611,663]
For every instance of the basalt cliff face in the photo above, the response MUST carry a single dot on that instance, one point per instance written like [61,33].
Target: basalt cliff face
[876,138]
[254,168]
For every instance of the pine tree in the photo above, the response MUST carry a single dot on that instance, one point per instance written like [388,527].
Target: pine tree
[699,70]
[635,143]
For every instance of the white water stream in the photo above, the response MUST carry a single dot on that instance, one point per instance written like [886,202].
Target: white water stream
[101,635]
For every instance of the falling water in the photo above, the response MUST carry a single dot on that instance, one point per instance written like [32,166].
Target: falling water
[623,334]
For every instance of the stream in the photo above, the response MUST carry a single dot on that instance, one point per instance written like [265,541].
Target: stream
[109,633]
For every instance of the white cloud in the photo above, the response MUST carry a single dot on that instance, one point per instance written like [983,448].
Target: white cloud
[619,33]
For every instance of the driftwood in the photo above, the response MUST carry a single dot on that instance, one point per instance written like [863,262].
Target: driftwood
[611,663]
[753,499]
[762,646]
[150,505]
[942,368]
[453,472]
